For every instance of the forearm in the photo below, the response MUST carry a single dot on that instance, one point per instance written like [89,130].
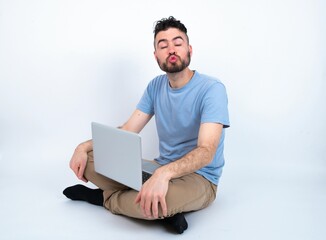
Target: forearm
[191,162]
[136,122]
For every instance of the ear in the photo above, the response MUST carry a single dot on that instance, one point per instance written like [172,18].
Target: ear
[190,50]
[155,55]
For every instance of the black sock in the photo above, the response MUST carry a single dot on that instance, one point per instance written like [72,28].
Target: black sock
[177,222]
[80,192]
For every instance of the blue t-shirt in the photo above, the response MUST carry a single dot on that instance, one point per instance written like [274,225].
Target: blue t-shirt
[179,113]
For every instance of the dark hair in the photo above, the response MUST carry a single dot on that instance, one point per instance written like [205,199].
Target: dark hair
[166,23]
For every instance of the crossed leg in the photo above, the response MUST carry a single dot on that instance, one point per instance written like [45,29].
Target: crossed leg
[188,193]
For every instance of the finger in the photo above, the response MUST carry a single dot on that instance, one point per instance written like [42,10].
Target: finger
[140,200]
[148,208]
[155,208]
[73,168]
[81,170]
[164,207]
[142,206]
[84,179]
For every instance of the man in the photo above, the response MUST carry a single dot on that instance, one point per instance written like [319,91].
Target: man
[191,113]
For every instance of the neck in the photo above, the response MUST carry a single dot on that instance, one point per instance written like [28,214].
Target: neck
[179,79]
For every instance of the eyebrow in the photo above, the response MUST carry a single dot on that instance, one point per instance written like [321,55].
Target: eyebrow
[165,40]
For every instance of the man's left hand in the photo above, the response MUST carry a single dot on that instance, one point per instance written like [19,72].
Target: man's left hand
[152,195]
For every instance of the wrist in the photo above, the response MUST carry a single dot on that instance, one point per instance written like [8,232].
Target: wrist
[84,147]
[164,173]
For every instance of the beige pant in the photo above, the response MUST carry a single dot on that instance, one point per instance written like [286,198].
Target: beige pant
[188,193]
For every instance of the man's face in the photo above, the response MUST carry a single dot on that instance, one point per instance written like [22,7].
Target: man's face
[172,50]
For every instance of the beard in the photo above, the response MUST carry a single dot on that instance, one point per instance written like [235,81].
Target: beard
[175,67]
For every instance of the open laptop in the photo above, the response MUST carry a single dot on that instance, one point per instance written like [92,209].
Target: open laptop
[118,156]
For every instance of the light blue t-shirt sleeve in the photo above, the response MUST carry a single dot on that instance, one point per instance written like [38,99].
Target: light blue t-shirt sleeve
[214,107]
[146,103]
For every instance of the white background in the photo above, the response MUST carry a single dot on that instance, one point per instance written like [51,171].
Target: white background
[66,63]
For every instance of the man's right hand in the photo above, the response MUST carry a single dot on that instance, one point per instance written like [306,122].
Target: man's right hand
[78,161]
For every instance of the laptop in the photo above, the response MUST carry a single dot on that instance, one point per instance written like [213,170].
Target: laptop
[118,156]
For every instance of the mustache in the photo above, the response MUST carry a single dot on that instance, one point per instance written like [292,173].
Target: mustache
[173,54]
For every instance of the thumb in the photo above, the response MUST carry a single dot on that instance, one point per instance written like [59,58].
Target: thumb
[81,170]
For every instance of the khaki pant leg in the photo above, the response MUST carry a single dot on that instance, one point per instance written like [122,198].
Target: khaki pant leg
[188,193]
[191,192]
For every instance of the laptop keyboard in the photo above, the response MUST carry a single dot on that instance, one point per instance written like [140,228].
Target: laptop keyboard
[146,176]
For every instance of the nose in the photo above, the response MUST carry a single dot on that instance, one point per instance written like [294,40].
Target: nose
[171,50]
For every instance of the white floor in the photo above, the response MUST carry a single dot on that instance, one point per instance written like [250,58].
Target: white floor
[261,202]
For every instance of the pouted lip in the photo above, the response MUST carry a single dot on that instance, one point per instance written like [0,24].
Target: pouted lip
[172,58]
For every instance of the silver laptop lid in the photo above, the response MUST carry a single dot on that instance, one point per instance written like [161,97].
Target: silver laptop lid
[117,155]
